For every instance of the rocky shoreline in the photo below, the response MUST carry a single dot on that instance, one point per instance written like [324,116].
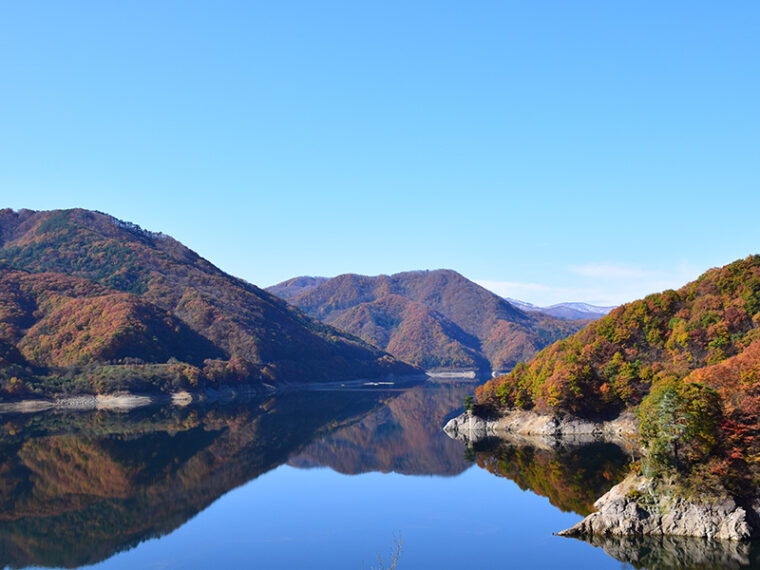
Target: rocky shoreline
[631,508]
[470,428]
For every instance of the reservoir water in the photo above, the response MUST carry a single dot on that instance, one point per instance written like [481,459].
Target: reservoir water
[323,479]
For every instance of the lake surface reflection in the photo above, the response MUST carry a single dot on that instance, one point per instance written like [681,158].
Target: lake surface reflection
[322,479]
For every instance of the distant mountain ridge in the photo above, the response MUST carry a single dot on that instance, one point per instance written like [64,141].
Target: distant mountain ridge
[91,303]
[432,319]
[569,311]
[296,286]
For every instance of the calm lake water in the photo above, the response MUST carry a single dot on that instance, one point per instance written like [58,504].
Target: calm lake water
[325,479]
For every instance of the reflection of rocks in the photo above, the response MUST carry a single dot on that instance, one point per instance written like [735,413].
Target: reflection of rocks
[570,474]
[403,436]
[666,552]
[550,443]
[632,508]
[471,428]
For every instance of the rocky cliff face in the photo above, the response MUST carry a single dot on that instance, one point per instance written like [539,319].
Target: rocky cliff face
[633,508]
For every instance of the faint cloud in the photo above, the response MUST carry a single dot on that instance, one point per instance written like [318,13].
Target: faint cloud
[536,293]
[610,271]
[598,283]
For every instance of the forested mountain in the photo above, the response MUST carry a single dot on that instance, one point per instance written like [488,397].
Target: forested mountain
[433,319]
[296,286]
[82,289]
[688,361]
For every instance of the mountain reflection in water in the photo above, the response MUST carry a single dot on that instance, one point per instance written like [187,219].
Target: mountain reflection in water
[78,487]
[403,436]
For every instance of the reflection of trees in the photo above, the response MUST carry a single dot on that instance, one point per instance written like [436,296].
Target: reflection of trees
[572,477]
[76,488]
[665,552]
[403,436]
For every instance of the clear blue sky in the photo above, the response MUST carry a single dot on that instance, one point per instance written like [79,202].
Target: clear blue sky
[555,150]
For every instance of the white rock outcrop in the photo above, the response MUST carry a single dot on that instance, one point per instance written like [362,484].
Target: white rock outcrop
[470,428]
[631,508]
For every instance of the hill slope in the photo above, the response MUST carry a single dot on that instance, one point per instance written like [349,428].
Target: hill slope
[688,361]
[433,319]
[296,286]
[54,320]
[175,297]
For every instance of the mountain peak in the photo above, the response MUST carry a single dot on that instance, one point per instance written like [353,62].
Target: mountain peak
[432,318]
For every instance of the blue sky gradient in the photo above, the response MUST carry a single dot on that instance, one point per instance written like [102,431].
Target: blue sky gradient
[591,151]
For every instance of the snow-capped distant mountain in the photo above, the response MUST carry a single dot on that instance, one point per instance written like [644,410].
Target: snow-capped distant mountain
[569,311]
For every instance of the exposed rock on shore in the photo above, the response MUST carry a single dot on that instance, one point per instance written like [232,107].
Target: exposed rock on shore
[124,400]
[470,428]
[631,508]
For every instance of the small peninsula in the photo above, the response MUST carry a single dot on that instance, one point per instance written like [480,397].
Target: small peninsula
[678,375]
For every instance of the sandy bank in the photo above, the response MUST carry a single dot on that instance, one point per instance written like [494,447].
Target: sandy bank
[123,401]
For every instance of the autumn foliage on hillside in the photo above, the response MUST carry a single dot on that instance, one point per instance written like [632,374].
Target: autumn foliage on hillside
[612,363]
[687,360]
[55,320]
[432,319]
[412,332]
[737,384]
[102,291]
